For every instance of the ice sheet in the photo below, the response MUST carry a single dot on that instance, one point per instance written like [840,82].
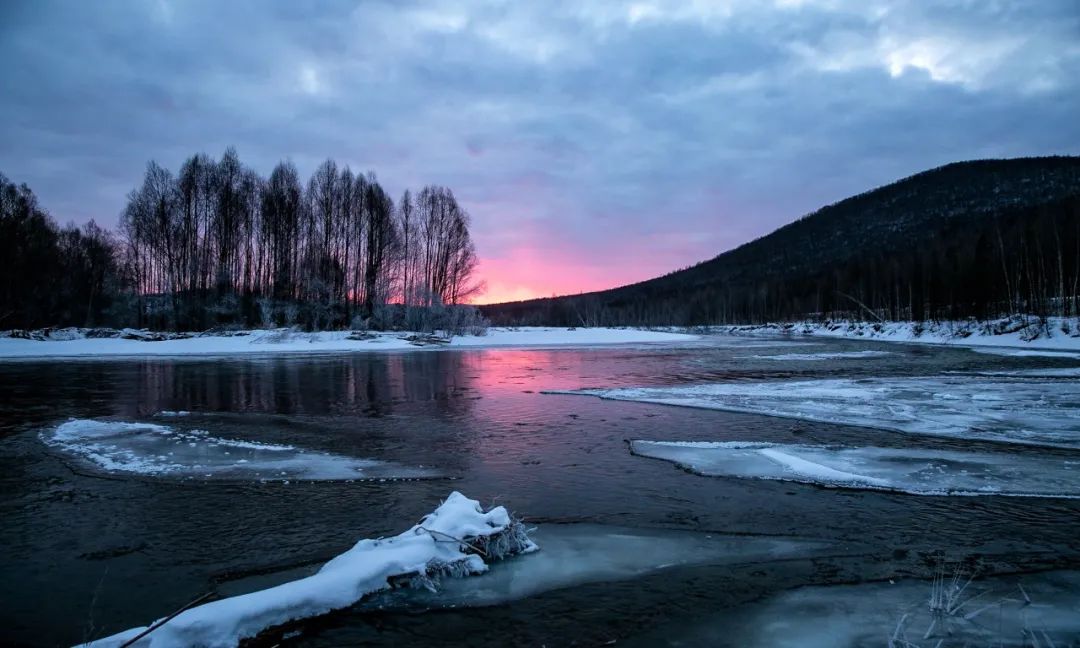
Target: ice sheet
[157,450]
[1022,410]
[837,355]
[726,341]
[907,470]
[1065,372]
[853,616]
[576,554]
[1027,353]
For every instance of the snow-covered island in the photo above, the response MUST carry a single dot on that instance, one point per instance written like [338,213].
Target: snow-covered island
[72,342]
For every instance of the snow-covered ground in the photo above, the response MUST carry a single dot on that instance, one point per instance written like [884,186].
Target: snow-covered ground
[155,450]
[908,470]
[283,341]
[458,538]
[1028,410]
[1059,333]
[1022,610]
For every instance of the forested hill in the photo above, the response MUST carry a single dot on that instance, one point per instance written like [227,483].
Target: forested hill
[978,238]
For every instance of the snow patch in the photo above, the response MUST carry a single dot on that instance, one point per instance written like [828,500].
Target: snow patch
[457,538]
[906,470]
[151,449]
[1027,411]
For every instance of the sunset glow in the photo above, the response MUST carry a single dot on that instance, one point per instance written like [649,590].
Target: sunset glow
[528,277]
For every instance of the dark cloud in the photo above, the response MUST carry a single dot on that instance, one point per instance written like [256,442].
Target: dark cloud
[589,134]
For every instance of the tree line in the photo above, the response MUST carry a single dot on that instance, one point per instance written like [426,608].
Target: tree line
[216,244]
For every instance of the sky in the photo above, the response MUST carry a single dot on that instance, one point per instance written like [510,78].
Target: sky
[593,143]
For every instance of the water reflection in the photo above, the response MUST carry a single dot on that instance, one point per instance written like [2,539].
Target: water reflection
[448,383]
[354,385]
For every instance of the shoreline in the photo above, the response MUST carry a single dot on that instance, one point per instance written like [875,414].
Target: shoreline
[274,342]
[73,344]
[995,334]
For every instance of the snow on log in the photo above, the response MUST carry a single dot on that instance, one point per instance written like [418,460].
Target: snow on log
[457,539]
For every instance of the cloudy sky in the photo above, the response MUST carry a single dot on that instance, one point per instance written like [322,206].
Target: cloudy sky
[594,143]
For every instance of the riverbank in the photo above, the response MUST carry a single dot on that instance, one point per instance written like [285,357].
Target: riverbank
[81,343]
[1019,333]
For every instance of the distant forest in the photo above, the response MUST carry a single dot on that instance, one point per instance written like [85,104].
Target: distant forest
[973,239]
[218,245]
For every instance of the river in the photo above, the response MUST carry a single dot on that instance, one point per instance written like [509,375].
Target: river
[88,551]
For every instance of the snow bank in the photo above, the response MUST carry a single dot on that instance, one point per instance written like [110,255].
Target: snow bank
[156,450]
[1015,410]
[458,538]
[906,470]
[1059,333]
[284,341]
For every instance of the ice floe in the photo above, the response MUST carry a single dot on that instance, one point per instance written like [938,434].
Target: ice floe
[576,554]
[836,355]
[153,449]
[1023,610]
[907,470]
[1029,411]
[1065,372]
[732,341]
[1026,353]
[457,539]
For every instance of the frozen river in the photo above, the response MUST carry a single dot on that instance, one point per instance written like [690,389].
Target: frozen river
[686,493]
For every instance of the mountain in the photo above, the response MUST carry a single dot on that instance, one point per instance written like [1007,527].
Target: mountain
[977,238]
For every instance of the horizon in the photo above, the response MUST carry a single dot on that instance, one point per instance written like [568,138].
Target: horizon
[593,147]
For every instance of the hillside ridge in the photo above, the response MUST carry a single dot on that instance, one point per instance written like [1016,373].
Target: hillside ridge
[885,221]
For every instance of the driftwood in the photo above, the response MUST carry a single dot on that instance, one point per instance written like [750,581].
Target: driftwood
[162,622]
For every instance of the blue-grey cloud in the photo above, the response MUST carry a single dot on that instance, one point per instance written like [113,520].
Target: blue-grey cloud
[621,139]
